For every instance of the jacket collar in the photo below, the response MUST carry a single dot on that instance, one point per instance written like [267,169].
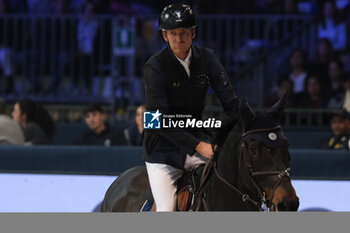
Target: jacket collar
[195,53]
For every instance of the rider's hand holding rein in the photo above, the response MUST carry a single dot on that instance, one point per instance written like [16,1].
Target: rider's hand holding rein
[205,149]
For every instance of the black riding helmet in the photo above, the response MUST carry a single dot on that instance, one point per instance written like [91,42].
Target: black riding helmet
[177,16]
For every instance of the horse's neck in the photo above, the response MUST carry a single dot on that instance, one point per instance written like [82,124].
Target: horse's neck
[228,159]
[233,171]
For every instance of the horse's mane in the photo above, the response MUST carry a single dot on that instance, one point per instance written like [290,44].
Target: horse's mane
[227,125]
[231,128]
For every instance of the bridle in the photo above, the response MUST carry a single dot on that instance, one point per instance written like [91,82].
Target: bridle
[266,204]
[263,204]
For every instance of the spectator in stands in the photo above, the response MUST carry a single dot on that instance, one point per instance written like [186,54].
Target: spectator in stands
[298,73]
[10,132]
[341,98]
[324,55]
[37,124]
[87,31]
[347,113]
[313,96]
[335,73]
[285,87]
[100,133]
[332,27]
[346,85]
[133,134]
[6,53]
[339,140]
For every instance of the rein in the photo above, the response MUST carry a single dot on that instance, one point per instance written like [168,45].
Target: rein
[245,197]
[262,204]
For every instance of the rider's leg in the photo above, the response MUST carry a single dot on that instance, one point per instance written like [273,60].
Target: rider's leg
[163,180]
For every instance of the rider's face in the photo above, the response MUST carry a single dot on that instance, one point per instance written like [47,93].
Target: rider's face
[180,40]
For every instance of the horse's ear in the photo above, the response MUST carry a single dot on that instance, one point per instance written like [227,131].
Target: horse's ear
[246,113]
[277,109]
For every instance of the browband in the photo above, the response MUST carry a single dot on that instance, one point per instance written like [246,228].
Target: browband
[260,130]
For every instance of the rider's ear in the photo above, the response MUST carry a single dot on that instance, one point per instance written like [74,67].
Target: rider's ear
[246,113]
[277,109]
[164,34]
[193,33]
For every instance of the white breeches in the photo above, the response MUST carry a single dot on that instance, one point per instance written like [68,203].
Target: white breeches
[163,180]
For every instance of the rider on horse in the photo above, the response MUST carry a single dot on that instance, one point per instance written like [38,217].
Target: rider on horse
[176,81]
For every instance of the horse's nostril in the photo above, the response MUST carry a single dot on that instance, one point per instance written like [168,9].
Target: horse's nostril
[282,206]
[294,205]
[288,205]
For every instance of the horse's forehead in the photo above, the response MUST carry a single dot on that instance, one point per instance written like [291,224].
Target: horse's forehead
[271,139]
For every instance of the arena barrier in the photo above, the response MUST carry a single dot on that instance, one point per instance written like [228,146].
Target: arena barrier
[69,159]
[305,163]
[306,137]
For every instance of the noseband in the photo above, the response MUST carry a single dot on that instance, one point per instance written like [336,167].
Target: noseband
[264,204]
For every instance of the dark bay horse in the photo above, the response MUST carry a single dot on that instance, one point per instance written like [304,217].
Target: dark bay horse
[250,172]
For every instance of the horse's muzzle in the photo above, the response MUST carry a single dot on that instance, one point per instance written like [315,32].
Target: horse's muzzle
[285,198]
[288,205]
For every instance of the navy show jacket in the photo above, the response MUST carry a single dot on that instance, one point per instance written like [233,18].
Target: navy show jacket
[171,91]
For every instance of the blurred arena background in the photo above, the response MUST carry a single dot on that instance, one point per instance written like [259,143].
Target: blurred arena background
[66,54]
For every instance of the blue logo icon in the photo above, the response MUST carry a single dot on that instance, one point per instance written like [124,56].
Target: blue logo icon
[151,120]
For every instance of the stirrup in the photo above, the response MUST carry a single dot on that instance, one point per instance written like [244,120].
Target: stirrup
[147,206]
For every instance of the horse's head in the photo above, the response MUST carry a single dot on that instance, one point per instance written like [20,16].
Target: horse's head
[265,156]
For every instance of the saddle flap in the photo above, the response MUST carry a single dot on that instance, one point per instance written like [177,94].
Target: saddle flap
[187,186]
[184,199]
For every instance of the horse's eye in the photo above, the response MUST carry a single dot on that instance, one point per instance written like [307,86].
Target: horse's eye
[272,151]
